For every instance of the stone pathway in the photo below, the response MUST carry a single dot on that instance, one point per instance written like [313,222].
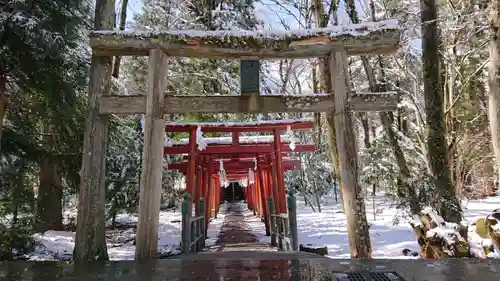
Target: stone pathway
[236,233]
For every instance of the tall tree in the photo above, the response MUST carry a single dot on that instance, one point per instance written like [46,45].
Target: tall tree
[494,79]
[448,205]
[90,240]
[41,73]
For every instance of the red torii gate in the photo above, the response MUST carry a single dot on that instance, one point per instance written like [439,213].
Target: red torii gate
[263,155]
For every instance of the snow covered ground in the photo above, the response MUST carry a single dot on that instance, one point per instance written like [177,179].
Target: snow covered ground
[60,244]
[328,228]
[388,237]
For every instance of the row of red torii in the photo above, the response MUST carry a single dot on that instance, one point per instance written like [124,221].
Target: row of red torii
[255,160]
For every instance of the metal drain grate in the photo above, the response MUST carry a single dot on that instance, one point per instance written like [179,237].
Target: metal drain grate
[368,276]
[350,276]
[386,276]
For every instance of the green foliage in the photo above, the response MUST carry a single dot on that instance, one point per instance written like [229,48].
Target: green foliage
[123,165]
[482,228]
[16,240]
[380,165]
[16,207]
[43,58]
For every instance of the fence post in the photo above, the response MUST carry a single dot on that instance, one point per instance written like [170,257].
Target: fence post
[292,220]
[201,241]
[272,221]
[186,223]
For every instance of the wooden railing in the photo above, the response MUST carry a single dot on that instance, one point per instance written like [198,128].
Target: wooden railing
[284,232]
[193,228]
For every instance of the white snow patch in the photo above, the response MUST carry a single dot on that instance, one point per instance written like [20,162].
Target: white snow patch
[60,244]
[360,29]
[327,228]
[229,140]
[240,124]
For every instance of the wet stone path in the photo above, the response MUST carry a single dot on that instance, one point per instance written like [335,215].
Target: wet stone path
[236,233]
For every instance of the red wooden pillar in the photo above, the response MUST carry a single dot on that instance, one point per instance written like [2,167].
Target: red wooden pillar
[260,177]
[279,169]
[217,195]
[235,138]
[257,198]
[254,199]
[207,184]
[269,186]
[249,197]
[214,198]
[203,180]
[198,187]
[274,181]
[191,170]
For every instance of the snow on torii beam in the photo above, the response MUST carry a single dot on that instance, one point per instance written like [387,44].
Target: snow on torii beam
[240,144]
[242,148]
[251,126]
[368,38]
[359,39]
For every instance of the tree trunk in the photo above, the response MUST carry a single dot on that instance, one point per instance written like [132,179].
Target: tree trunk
[494,80]
[90,240]
[3,101]
[50,193]
[123,18]
[448,205]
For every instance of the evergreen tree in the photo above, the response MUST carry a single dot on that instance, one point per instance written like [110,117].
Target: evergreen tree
[44,67]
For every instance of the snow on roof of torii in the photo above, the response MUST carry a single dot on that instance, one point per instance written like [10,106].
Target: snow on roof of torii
[358,29]
[356,39]
[229,140]
[256,126]
[240,124]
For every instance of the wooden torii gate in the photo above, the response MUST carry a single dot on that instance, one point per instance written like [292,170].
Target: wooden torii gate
[336,43]
[262,155]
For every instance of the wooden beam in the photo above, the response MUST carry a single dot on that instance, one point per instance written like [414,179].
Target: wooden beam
[238,165]
[387,101]
[239,127]
[242,149]
[233,141]
[357,39]
[152,163]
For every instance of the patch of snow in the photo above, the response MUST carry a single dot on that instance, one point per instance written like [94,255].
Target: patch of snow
[215,226]
[360,29]
[229,140]
[60,244]
[388,239]
[200,141]
[240,124]
[327,228]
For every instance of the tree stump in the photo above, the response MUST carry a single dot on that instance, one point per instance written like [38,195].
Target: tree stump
[318,250]
[439,239]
